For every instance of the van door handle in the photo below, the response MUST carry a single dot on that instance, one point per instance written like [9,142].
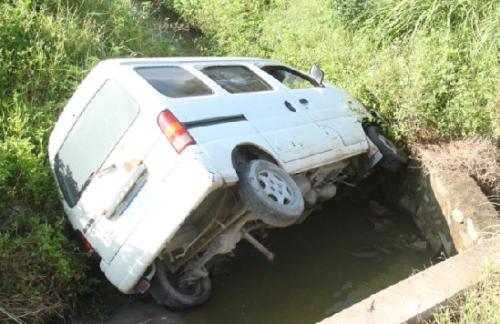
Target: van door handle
[303,101]
[290,107]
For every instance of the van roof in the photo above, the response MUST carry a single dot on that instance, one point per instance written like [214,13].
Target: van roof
[199,59]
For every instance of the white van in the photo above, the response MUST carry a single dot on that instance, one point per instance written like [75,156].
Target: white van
[163,163]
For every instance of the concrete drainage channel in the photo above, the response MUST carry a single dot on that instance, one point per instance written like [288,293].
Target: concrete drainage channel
[352,248]
[455,217]
[348,262]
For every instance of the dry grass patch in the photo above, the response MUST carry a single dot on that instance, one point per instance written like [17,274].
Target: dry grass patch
[479,158]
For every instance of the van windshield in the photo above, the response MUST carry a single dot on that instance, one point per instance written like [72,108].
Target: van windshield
[96,132]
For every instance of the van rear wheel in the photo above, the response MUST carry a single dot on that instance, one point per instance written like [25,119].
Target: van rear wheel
[167,291]
[270,193]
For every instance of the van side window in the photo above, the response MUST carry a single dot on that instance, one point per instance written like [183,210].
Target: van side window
[96,132]
[290,78]
[236,78]
[173,81]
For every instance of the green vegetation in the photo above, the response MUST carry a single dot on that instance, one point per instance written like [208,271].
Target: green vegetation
[430,67]
[480,304]
[46,48]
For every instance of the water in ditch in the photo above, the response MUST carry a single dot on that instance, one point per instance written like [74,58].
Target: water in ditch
[337,257]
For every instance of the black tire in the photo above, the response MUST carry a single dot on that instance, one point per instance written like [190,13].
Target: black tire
[165,291]
[270,193]
[393,159]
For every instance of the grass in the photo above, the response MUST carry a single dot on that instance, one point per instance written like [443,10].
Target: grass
[480,304]
[429,67]
[46,48]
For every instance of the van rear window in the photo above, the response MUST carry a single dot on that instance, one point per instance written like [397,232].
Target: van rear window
[98,129]
[173,81]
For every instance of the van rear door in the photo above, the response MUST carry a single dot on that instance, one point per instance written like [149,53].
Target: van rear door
[102,160]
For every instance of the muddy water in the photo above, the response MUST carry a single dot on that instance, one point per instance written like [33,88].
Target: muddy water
[337,257]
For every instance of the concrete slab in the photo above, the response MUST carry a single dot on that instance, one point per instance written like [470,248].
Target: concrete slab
[417,296]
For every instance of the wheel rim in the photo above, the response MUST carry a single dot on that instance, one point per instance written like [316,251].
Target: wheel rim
[388,144]
[274,187]
[191,288]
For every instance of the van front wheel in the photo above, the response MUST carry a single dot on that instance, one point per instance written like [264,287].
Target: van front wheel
[393,159]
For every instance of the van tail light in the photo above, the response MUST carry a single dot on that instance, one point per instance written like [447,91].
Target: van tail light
[174,131]
[85,244]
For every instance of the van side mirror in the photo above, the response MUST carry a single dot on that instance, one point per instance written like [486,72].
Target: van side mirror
[317,73]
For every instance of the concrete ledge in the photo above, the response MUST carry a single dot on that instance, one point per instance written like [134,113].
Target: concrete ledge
[468,213]
[417,297]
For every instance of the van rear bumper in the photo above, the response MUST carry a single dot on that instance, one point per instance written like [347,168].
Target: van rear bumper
[181,191]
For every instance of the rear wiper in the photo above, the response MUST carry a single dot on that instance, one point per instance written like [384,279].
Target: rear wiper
[88,181]
[99,173]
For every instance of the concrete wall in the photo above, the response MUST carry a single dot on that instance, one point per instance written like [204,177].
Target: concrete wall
[448,207]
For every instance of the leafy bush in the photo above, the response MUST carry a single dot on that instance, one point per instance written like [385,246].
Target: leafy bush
[46,49]
[430,67]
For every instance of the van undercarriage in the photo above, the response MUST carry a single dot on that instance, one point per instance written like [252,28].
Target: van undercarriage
[223,219]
